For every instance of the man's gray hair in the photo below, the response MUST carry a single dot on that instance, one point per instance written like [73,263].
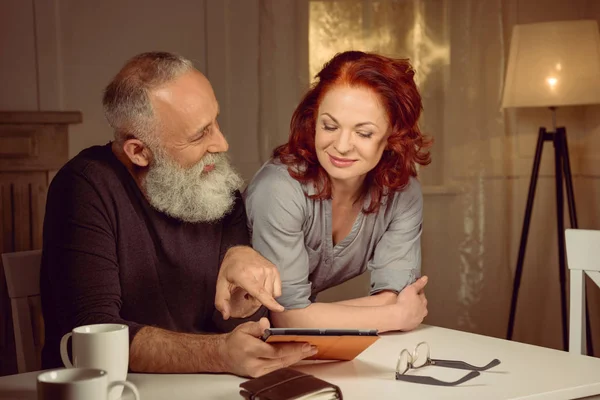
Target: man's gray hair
[126,99]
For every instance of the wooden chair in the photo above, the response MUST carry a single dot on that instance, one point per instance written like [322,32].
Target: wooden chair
[22,270]
[583,257]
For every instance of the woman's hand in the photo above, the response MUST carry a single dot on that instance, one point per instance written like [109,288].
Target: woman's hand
[411,305]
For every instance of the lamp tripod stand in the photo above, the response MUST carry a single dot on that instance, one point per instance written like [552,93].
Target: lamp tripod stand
[562,169]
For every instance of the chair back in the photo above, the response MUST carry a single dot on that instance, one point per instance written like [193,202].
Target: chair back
[22,270]
[583,249]
[583,258]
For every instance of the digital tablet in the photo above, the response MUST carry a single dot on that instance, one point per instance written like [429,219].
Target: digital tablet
[332,344]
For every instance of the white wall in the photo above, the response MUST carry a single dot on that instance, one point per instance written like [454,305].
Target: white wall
[18,75]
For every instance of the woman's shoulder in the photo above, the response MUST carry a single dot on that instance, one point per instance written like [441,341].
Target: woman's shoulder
[413,187]
[409,196]
[273,171]
[273,178]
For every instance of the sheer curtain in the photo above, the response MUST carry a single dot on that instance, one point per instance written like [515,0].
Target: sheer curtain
[476,186]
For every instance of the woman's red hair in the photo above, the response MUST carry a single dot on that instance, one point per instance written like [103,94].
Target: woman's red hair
[392,81]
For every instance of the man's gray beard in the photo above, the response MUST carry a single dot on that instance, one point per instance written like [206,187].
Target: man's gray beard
[191,194]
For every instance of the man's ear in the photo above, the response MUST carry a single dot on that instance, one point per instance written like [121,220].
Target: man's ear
[137,152]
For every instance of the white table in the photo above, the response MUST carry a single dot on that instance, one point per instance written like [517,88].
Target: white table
[526,372]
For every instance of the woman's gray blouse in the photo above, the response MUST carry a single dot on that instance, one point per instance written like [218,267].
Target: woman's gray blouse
[294,233]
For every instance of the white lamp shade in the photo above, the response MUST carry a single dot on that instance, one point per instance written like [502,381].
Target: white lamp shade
[553,64]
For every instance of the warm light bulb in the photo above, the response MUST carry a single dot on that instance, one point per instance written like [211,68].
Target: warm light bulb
[552,82]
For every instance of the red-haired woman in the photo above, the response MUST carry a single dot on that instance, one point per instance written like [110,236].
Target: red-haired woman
[341,197]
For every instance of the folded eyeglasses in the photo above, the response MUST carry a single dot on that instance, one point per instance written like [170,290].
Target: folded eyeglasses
[420,357]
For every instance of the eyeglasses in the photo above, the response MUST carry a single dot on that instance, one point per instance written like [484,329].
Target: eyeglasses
[420,358]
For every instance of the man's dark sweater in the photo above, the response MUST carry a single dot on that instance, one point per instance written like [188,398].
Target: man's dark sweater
[109,257]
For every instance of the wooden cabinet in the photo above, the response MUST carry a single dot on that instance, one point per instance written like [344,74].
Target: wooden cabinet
[33,147]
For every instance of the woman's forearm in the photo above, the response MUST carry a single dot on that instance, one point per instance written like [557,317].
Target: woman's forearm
[331,315]
[380,299]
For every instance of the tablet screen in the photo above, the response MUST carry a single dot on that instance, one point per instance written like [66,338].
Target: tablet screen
[332,344]
[317,332]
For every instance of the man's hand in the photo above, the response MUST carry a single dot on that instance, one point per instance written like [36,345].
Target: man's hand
[243,352]
[246,280]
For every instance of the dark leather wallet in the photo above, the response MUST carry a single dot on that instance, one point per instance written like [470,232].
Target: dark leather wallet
[288,384]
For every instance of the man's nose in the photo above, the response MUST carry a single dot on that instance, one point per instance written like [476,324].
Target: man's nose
[218,142]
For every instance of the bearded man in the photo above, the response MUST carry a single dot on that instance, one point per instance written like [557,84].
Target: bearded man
[150,231]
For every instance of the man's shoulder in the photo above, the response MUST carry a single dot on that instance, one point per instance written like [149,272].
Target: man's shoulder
[94,172]
[92,163]
[91,157]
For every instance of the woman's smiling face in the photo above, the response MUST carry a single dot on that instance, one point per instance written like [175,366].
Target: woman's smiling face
[351,132]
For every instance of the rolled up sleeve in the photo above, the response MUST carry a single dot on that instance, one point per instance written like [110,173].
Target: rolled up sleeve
[275,204]
[396,261]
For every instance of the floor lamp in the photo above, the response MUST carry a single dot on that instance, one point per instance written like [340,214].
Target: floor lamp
[552,64]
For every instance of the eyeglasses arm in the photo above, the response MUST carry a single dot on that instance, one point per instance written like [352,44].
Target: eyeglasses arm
[428,380]
[464,365]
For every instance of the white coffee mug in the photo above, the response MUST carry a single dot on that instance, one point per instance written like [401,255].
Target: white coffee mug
[77,384]
[100,346]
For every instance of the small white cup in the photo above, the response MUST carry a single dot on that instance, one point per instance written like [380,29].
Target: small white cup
[77,384]
[100,346]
